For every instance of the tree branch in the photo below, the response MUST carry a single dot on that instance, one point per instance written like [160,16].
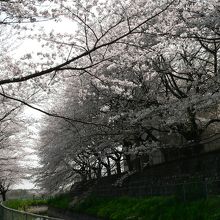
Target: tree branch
[69,120]
[86,53]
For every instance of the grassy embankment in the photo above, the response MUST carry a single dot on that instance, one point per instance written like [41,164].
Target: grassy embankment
[127,208]
[23,204]
[147,208]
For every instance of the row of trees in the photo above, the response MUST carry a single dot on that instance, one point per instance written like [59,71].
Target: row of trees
[16,19]
[151,85]
[11,152]
[125,80]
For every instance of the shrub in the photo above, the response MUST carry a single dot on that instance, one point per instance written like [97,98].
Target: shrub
[23,204]
[60,201]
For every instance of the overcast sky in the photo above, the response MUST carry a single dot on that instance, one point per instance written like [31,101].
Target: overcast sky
[33,46]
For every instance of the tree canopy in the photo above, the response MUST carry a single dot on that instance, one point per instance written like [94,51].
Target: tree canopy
[119,81]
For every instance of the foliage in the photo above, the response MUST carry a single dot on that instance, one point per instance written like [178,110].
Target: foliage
[124,78]
[11,170]
[191,191]
[23,204]
[61,201]
[149,208]
[150,85]
[152,208]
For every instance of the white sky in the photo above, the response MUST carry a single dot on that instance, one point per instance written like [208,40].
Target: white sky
[32,46]
[23,47]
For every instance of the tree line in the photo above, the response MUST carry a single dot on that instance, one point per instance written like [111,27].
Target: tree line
[132,78]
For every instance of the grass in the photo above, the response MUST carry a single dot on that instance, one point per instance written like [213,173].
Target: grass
[148,208]
[62,201]
[127,208]
[23,204]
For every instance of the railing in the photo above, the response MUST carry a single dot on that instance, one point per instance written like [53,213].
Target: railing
[12,214]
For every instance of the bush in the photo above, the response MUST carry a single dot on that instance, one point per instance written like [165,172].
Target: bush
[150,208]
[61,201]
[191,191]
[22,205]
[146,208]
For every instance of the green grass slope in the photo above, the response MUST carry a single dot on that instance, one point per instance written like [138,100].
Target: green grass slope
[147,208]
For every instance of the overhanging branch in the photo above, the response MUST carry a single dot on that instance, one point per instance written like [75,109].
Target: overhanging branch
[86,53]
[69,120]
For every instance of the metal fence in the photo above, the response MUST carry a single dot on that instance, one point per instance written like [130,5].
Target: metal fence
[12,214]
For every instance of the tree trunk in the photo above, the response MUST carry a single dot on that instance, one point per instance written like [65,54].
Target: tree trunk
[99,172]
[118,166]
[129,162]
[108,171]
[90,174]
[108,167]
[3,196]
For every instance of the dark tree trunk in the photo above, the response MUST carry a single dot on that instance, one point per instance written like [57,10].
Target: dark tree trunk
[90,174]
[108,171]
[3,196]
[129,162]
[127,157]
[99,172]
[108,167]
[118,166]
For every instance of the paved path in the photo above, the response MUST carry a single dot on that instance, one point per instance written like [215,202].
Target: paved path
[67,215]
[40,210]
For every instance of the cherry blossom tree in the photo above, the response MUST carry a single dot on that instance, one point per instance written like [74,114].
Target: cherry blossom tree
[162,81]
[10,161]
[129,74]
